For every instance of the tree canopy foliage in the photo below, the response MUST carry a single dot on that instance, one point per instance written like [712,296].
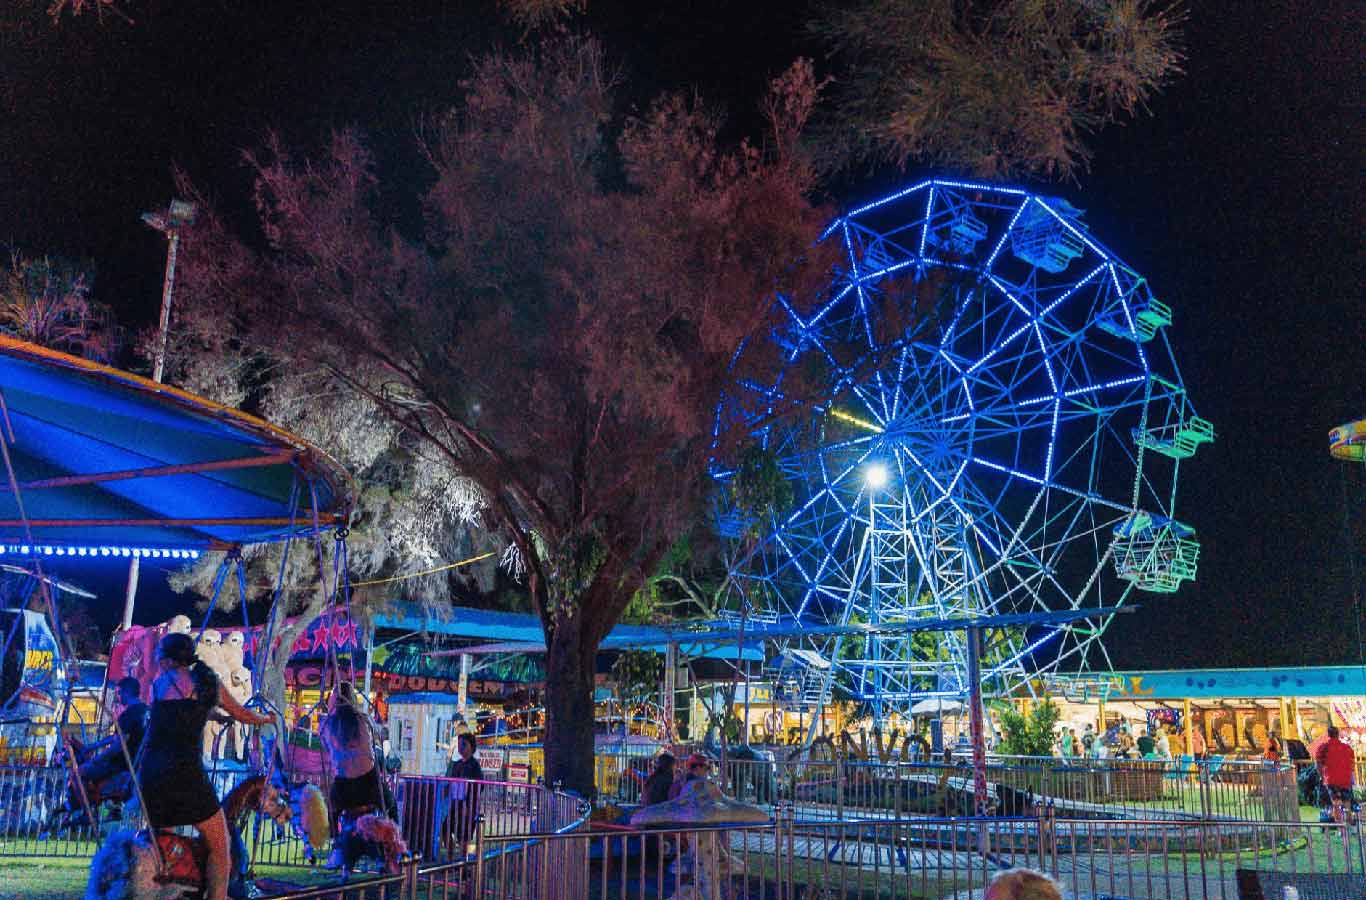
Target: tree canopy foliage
[48,301]
[1000,88]
[561,331]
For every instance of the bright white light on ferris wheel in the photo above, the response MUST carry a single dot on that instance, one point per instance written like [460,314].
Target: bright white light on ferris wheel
[876,476]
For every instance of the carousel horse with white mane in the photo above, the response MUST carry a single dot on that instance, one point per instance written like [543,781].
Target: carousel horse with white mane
[129,866]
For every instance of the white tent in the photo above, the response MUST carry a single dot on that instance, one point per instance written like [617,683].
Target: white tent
[934,705]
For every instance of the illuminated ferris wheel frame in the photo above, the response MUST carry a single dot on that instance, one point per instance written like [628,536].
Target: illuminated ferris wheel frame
[999,427]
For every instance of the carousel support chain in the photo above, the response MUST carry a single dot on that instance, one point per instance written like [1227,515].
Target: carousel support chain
[79,782]
[344,562]
[242,590]
[329,597]
[229,559]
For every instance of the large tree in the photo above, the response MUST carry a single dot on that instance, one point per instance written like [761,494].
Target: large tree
[562,328]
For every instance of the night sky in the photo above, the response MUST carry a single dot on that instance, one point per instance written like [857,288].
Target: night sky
[1238,198]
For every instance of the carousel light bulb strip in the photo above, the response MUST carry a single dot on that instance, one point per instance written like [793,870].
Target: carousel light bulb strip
[91,551]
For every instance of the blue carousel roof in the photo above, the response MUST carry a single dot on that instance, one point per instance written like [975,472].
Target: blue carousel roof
[109,463]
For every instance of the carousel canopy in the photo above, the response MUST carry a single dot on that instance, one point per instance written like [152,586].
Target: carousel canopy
[112,464]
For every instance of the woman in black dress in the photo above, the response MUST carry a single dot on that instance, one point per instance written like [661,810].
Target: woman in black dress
[175,786]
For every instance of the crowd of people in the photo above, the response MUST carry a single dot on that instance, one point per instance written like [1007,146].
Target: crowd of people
[1144,742]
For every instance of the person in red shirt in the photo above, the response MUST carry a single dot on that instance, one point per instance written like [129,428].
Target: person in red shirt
[1337,766]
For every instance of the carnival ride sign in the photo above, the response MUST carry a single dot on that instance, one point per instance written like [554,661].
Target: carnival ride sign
[519,765]
[31,686]
[30,678]
[490,762]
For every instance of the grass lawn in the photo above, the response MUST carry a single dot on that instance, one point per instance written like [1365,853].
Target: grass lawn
[38,878]
[56,878]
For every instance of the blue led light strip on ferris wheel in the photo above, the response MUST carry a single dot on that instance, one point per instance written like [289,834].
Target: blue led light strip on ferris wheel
[105,550]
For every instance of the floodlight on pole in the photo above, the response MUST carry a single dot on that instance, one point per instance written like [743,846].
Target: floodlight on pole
[876,476]
[179,214]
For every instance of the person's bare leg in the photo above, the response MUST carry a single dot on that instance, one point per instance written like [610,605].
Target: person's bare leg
[214,831]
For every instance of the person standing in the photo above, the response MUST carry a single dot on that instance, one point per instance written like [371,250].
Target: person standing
[656,788]
[457,728]
[1147,745]
[175,786]
[1126,743]
[464,794]
[1164,744]
[1272,751]
[1198,748]
[1337,767]
[1067,745]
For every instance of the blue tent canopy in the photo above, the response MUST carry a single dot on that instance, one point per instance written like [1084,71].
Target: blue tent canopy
[521,633]
[109,463]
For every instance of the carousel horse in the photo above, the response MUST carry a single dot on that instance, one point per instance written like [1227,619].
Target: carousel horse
[363,834]
[115,788]
[309,816]
[129,867]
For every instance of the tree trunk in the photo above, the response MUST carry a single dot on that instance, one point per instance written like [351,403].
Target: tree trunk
[272,686]
[569,708]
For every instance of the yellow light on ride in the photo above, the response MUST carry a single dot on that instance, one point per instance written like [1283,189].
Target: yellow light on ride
[855,420]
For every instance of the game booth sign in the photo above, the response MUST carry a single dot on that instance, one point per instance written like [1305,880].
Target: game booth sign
[31,688]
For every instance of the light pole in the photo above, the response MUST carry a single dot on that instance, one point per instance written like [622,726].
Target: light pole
[180,214]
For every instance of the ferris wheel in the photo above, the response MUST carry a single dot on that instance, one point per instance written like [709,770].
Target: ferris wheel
[998,428]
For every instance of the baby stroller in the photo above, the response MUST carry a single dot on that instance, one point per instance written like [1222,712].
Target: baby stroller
[1335,804]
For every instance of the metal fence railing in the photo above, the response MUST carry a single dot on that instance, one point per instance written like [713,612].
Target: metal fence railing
[39,817]
[932,857]
[840,788]
[436,816]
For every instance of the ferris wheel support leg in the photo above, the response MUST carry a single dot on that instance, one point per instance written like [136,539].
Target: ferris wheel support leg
[975,726]
[818,713]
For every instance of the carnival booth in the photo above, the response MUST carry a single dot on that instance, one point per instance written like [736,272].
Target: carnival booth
[420,728]
[1230,712]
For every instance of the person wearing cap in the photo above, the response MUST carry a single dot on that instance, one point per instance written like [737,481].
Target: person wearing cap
[696,767]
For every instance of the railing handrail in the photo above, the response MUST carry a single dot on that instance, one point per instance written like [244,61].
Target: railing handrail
[927,822]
